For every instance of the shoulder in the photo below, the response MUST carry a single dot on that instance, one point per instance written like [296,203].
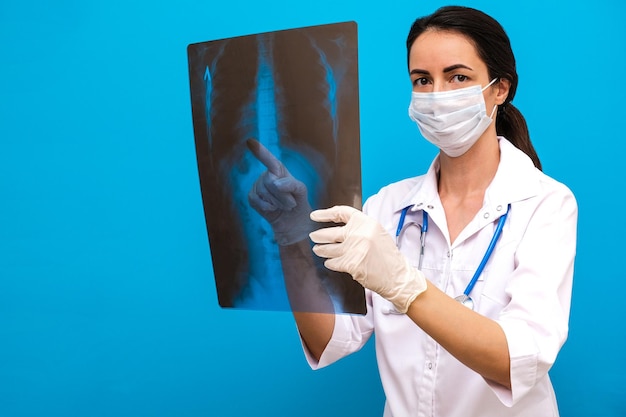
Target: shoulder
[538,198]
[555,197]
[550,184]
[392,197]
[519,180]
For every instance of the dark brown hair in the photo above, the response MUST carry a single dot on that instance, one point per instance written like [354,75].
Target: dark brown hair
[494,48]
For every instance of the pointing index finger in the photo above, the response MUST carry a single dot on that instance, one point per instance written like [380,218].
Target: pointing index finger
[261,153]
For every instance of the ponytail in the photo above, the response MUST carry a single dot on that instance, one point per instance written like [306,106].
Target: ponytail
[511,124]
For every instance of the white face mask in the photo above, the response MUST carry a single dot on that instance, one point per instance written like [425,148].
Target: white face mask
[452,120]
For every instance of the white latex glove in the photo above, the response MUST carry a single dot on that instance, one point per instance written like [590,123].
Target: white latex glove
[366,251]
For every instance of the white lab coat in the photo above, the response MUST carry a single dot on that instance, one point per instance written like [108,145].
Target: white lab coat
[526,287]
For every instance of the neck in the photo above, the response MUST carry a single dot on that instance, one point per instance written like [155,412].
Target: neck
[469,175]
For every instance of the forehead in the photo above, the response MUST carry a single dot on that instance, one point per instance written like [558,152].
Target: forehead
[436,49]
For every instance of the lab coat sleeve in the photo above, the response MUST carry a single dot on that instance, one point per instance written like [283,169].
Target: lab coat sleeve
[535,321]
[350,334]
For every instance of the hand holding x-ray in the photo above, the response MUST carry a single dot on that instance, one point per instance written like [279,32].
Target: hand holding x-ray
[280,198]
[360,246]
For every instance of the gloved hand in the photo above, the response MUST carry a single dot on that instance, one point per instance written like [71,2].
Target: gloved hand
[366,251]
[280,198]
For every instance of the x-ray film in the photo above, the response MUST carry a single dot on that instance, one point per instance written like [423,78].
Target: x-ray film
[276,126]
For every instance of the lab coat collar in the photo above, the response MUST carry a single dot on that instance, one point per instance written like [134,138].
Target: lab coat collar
[516,179]
[424,193]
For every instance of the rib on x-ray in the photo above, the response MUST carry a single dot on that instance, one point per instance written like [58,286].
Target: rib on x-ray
[279,106]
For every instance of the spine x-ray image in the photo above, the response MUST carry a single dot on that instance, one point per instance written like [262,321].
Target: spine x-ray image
[276,126]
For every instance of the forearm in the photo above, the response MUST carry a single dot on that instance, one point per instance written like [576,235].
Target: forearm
[475,340]
[316,330]
[310,302]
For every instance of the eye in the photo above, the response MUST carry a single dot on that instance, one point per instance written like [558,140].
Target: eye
[460,78]
[420,82]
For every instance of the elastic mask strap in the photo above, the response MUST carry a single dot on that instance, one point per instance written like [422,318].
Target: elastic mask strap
[495,106]
[489,85]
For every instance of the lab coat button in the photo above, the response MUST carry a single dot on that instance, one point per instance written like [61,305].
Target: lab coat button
[486,215]
[430,365]
[499,208]
[430,206]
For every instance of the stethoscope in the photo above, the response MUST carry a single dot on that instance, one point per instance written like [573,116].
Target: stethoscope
[464,298]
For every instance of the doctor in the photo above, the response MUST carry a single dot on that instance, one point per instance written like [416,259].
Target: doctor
[468,268]
[454,338]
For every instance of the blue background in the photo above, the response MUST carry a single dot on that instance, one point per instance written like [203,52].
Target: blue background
[107,303]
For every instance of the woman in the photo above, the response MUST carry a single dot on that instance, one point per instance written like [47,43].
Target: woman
[445,348]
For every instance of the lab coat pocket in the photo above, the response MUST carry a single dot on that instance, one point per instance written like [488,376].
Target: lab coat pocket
[496,275]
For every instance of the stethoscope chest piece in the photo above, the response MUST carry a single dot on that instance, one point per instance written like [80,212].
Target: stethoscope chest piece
[466,300]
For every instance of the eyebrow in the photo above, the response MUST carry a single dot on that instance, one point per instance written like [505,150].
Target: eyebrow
[456,66]
[446,69]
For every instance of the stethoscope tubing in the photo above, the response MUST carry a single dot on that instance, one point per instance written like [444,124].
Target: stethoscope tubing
[492,245]
[424,229]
